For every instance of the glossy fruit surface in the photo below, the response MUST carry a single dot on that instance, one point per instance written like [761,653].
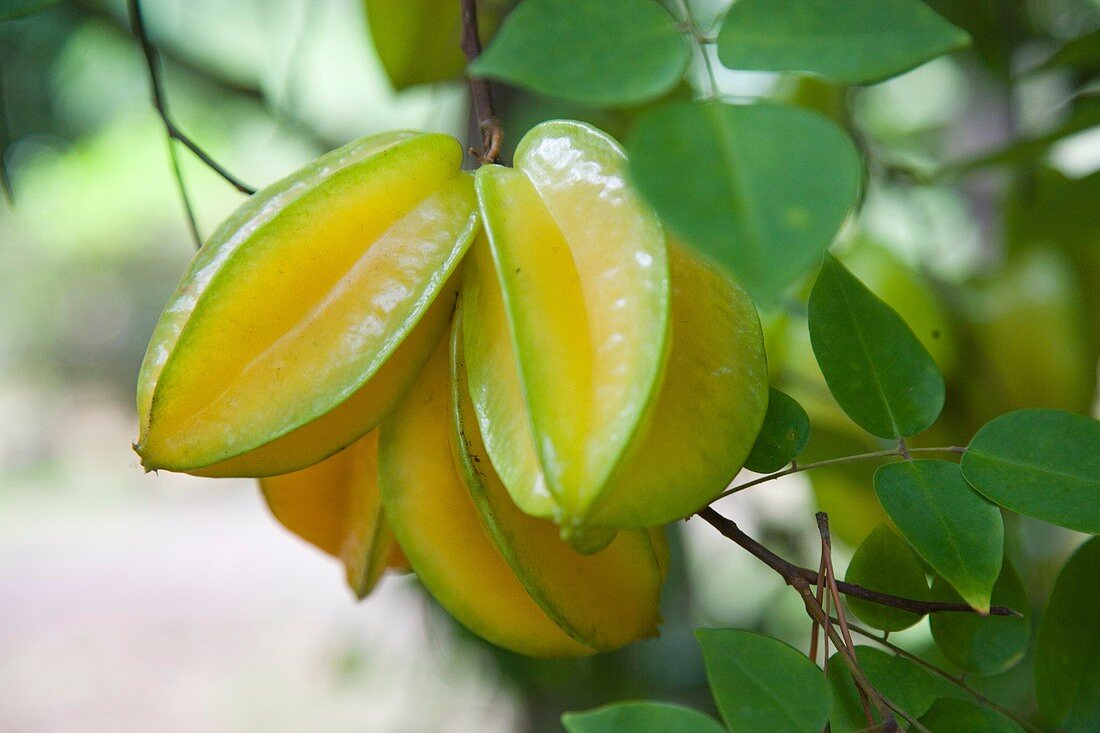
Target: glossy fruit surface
[307,313]
[502,573]
[336,506]
[582,270]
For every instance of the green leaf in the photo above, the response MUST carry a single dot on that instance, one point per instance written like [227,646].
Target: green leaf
[950,715]
[901,681]
[1082,52]
[1067,650]
[876,368]
[1040,463]
[601,52]
[640,717]
[18,8]
[955,530]
[760,683]
[762,189]
[988,645]
[854,42]
[783,435]
[884,562]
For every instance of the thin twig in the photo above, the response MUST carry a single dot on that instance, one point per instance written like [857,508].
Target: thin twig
[185,197]
[787,569]
[5,142]
[137,25]
[834,596]
[700,42]
[957,681]
[492,134]
[798,468]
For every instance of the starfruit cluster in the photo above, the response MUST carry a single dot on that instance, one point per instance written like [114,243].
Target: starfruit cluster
[507,382]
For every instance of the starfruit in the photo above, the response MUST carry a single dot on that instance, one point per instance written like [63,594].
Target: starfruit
[617,381]
[505,575]
[308,312]
[335,505]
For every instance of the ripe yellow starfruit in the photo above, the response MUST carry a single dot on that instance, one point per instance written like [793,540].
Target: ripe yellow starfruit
[504,574]
[307,313]
[612,389]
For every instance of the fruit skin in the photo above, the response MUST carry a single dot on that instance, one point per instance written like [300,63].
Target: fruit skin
[469,559]
[273,352]
[582,270]
[335,505]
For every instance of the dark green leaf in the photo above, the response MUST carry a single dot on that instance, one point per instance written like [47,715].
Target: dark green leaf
[18,8]
[602,52]
[955,530]
[855,41]
[760,683]
[640,717]
[950,715]
[1067,650]
[986,645]
[884,562]
[901,681]
[1082,52]
[876,368]
[782,437]
[762,189]
[1040,463]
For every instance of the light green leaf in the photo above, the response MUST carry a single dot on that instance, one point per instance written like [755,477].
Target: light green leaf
[876,368]
[955,530]
[854,41]
[783,435]
[950,715]
[417,41]
[884,562]
[902,682]
[984,645]
[1040,463]
[600,52]
[760,683]
[1067,650]
[762,189]
[640,717]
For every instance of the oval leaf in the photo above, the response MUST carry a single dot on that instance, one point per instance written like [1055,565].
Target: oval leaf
[782,437]
[950,715]
[984,645]
[600,52]
[641,717]
[955,530]
[768,186]
[853,42]
[760,683]
[1040,463]
[900,680]
[884,562]
[876,368]
[1067,650]
[417,41]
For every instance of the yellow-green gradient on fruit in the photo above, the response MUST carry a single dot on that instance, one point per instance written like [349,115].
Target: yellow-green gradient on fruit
[583,273]
[292,311]
[709,409]
[438,523]
[336,506]
[606,599]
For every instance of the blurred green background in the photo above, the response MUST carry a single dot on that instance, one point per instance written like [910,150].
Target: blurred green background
[133,602]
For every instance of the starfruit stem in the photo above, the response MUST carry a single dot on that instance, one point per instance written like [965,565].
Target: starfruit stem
[492,134]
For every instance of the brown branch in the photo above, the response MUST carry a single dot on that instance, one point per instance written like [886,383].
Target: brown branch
[137,25]
[492,134]
[957,681]
[789,571]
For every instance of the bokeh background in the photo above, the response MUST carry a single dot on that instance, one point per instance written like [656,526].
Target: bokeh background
[133,602]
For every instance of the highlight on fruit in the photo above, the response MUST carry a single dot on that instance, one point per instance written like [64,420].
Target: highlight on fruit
[506,383]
